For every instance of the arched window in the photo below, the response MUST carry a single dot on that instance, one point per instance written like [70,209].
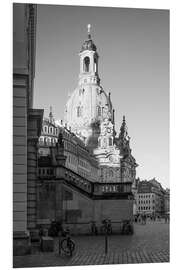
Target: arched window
[95,64]
[110,142]
[49,141]
[99,111]
[104,143]
[86,64]
[45,129]
[110,173]
[79,111]
[45,141]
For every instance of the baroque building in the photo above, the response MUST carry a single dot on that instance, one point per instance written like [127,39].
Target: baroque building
[89,104]
[78,157]
[83,157]
[90,115]
[151,198]
[49,135]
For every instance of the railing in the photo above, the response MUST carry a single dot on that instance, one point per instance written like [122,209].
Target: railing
[97,188]
[43,143]
[78,181]
[112,188]
[91,188]
[45,173]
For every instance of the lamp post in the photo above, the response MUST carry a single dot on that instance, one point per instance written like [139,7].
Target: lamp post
[106,237]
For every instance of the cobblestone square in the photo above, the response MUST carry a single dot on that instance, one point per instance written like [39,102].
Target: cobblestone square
[149,244]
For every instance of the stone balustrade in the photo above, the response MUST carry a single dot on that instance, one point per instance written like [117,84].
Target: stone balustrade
[91,188]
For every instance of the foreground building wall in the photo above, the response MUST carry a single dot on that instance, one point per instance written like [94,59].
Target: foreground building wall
[24,26]
[77,210]
[65,195]
[20,100]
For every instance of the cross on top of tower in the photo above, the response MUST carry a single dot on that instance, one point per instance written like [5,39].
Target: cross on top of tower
[88,43]
[89,28]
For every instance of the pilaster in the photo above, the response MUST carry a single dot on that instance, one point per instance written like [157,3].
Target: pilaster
[33,133]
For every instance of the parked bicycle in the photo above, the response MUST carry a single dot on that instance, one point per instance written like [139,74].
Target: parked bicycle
[106,227]
[67,245]
[127,227]
[55,228]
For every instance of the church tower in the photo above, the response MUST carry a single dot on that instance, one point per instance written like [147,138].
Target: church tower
[89,104]
[88,62]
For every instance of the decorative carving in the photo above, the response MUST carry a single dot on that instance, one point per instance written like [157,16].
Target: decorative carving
[106,112]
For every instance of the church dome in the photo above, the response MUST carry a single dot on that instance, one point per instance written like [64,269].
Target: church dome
[87,104]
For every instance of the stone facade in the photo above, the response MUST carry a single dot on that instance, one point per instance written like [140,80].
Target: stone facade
[167,201]
[33,132]
[78,158]
[49,135]
[88,103]
[24,28]
[150,198]
[99,168]
[66,195]
[90,115]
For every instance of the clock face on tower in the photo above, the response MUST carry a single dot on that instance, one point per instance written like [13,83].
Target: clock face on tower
[108,130]
[111,159]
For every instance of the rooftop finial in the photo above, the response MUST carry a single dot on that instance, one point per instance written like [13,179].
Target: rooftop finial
[89,30]
[124,118]
[51,115]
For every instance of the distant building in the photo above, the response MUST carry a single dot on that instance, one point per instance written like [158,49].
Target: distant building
[167,200]
[150,198]
[78,157]
[134,191]
[49,135]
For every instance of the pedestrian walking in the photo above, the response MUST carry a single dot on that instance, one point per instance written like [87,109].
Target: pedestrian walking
[145,219]
[94,230]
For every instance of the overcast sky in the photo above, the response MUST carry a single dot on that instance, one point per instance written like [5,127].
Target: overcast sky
[133,45]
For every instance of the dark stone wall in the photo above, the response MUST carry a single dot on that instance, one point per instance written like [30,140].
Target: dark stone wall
[46,203]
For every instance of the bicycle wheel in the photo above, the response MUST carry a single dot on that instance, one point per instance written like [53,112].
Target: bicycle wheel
[71,245]
[68,246]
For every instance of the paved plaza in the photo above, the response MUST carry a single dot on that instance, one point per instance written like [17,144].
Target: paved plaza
[149,244]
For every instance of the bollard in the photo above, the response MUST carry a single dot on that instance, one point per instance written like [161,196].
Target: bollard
[106,243]
[59,243]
